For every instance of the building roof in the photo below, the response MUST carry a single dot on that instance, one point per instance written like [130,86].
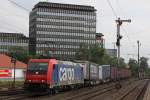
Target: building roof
[99,34]
[13,35]
[64,6]
[5,62]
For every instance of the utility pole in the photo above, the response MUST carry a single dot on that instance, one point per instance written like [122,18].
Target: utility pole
[89,55]
[139,69]
[138,52]
[89,58]
[119,37]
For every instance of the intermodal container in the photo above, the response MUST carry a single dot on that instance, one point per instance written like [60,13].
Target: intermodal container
[64,74]
[94,74]
[113,73]
[104,73]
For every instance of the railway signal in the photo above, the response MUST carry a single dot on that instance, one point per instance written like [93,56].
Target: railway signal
[13,60]
[119,37]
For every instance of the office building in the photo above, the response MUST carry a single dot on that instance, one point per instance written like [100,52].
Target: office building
[59,29]
[100,40]
[12,40]
[112,52]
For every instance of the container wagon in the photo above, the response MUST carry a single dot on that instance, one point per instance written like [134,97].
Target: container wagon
[104,73]
[93,78]
[113,73]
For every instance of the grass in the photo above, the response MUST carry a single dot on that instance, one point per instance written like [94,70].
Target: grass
[9,84]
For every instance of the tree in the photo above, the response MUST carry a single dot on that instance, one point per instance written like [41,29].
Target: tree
[82,53]
[113,61]
[97,55]
[133,67]
[147,72]
[122,63]
[143,62]
[17,49]
[106,59]
[93,53]
[20,53]
[23,55]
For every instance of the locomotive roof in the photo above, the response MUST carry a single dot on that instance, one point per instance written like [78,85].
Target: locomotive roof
[39,60]
[58,61]
[66,62]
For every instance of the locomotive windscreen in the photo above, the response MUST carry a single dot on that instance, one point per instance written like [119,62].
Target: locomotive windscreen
[37,68]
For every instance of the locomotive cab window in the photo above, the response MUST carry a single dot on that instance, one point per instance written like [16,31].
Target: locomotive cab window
[35,67]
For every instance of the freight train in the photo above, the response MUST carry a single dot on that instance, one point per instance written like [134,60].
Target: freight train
[55,75]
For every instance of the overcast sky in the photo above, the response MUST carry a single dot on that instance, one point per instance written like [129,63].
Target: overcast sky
[15,19]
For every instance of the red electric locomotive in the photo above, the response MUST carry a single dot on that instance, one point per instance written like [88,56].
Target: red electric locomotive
[51,74]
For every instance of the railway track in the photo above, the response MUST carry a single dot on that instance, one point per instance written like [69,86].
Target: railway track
[83,93]
[64,95]
[95,93]
[12,92]
[90,94]
[16,94]
[135,93]
[15,97]
[74,94]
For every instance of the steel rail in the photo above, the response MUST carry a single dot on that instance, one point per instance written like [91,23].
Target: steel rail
[133,89]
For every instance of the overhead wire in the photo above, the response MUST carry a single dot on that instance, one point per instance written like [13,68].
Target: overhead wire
[109,3]
[115,14]
[19,28]
[10,24]
[124,28]
[11,13]
[120,8]
[18,5]
[140,25]
[125,31]
[133,44]
[113,10]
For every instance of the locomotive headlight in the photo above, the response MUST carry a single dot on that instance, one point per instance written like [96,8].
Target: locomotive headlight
[29,80]
[43,81]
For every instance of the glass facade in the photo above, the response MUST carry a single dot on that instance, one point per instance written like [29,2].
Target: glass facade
[10,40]
[59,29]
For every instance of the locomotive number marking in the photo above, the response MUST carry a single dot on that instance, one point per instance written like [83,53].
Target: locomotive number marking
[66,74]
